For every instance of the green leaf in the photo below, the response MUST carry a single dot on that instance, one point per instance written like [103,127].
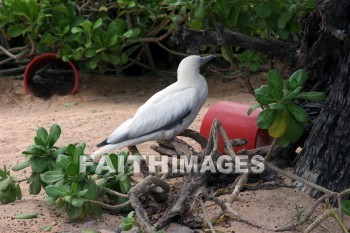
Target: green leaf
[86,26]
[74,187]
[72,169]
[21,166]
[4,20]
[76,30]
[294,129]
[71,150]
[312,96]
[292,94]
[263,10]
[252,108]
[42,134]
[132,33]
[55,133]
[68,199]
[279,126]
[16,30]
[78,202]
[118,25]
[345,207]
[298,113]
[4,184]
[56,191]
[279,106]
[96,210]
[60,202]
[91,186]
[92,64]
[297,79]
[283,141]
[34,184]
[79,151]
[114,59]
[52,176]
[46,228]
[266,118]
[233,16]
[38,141]
[124,184]
[63,161]
[39,164]
[18,192]
[222,8]
[254,67]
[274,80]
[82,192]
[26,216]
[200,11]
[3,173]
[74,212]
[283,19]
[97,23]
[262,95]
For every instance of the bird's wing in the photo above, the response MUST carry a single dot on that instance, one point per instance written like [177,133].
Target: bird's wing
[163,111]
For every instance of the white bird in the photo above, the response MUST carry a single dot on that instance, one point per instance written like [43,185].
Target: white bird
[167,113]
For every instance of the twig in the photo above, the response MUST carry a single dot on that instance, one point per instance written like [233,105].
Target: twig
[9,54]
[110,207]
[134,195]
[171,51]
[3,62]
[242,180]
[115,193]
[328,213]
[306,216]
[205,212]
[12,70]
[200,139]
[295,177]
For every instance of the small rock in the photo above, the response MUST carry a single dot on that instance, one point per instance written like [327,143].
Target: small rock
[175,227]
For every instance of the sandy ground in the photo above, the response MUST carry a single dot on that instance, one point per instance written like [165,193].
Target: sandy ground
[101,104]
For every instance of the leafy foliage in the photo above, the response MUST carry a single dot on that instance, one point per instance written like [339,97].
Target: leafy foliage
[345,207]
[41,156]
[268,19]
[281,116]
[128,222]
[103,37]
[68,183]
[250,60]
[9,188]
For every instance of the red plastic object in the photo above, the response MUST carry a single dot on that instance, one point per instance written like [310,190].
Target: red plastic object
[39,62]
[237,124]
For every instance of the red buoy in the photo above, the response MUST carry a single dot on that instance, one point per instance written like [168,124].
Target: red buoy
[237,124]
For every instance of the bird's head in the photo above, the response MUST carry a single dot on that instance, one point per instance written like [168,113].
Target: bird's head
[191,64]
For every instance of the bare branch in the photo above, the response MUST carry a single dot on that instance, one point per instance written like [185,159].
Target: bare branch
[140,189]
[286,52]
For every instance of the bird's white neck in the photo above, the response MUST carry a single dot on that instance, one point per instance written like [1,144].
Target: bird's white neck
[188,75]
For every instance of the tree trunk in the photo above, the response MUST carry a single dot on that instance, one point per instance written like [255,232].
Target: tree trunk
[325,158]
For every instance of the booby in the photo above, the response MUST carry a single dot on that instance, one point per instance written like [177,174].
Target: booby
[167,113]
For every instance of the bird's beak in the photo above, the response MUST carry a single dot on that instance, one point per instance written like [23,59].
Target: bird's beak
[204,60]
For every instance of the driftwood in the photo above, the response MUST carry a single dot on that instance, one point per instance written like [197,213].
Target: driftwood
[195,189]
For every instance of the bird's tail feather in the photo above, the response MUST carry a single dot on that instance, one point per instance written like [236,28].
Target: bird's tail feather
[104,150]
